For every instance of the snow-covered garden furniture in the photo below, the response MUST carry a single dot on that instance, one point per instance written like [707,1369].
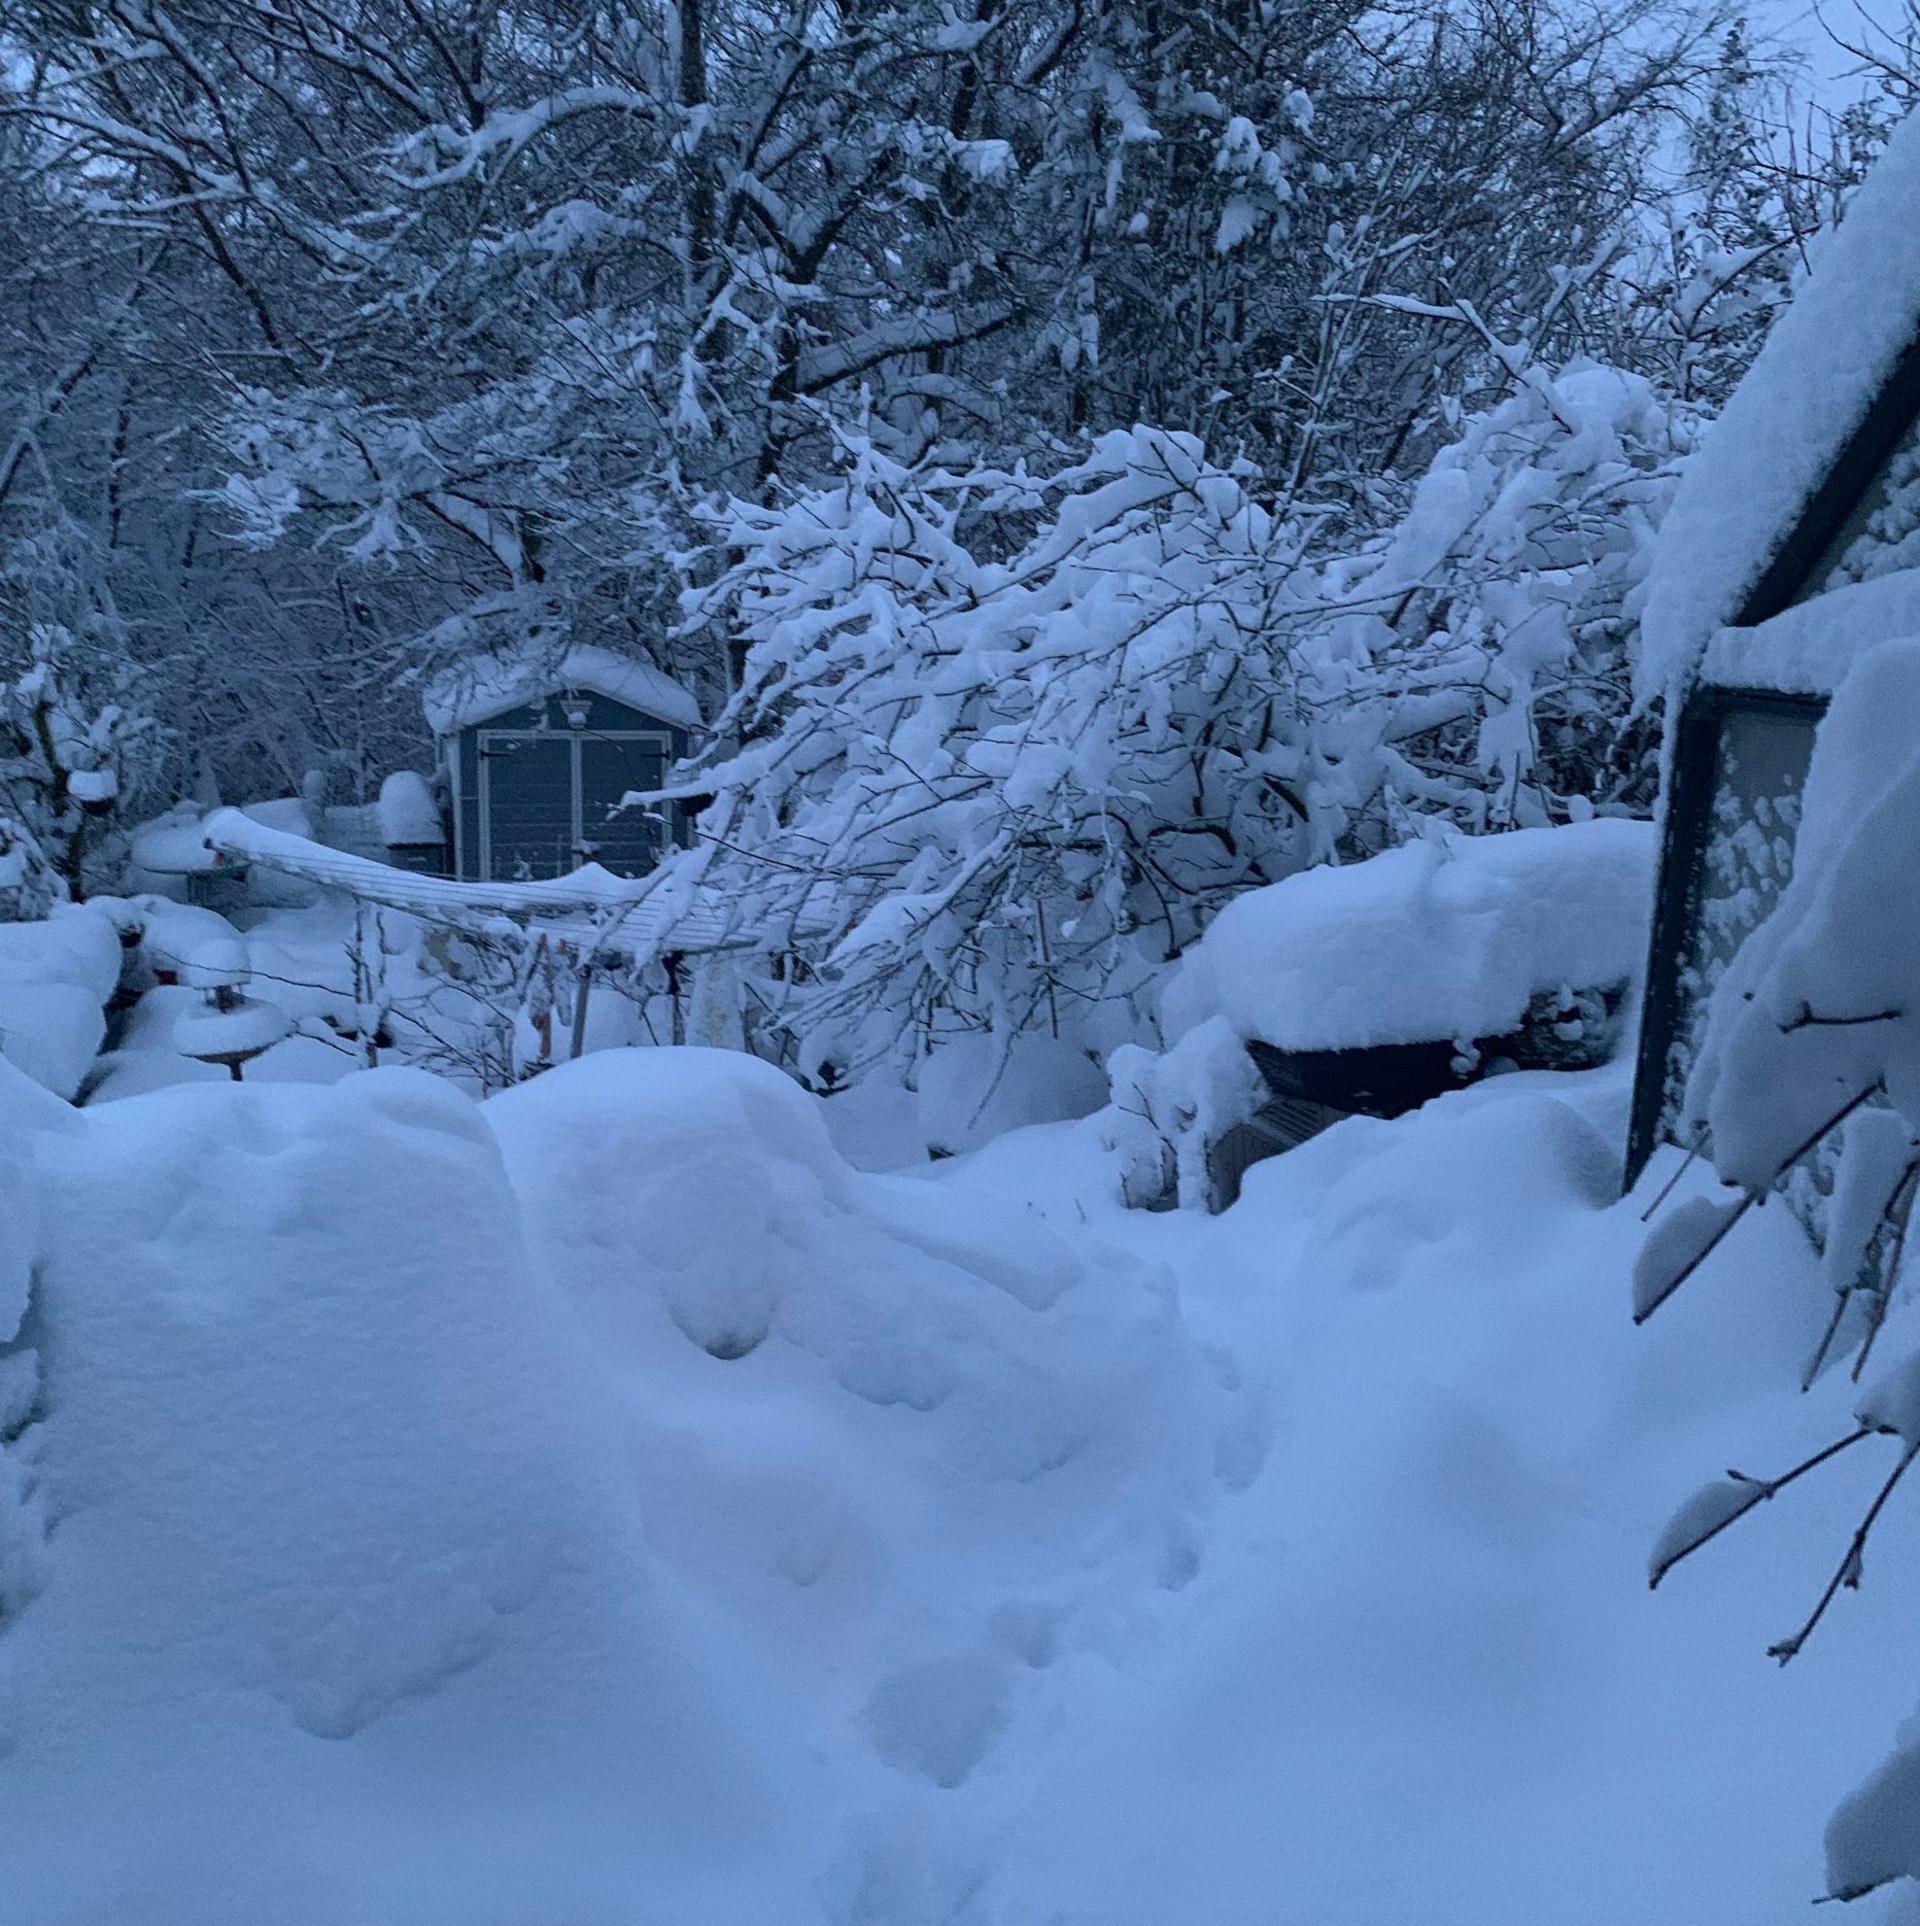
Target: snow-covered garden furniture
[1369,988]
[231,1028]
[538,753]
[173,846]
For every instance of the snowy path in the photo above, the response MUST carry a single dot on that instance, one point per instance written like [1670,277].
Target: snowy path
[1420,1675]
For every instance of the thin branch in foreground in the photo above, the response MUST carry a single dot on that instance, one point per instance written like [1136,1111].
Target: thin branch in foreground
[1899,1213]
[1733,1507]
[1806,1020]
[1667,1189]
[1686,1242]
[1847,1572]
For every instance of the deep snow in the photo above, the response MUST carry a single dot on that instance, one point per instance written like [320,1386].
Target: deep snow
[604,1504]
[1433,939]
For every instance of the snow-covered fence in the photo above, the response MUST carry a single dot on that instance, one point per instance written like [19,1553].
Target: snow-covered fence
[580,926]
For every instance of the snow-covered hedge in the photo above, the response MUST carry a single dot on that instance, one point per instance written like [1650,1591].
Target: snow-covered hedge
[1017,736]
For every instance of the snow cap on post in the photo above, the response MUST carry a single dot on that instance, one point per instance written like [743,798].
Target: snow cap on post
[1825,364]
[408,817]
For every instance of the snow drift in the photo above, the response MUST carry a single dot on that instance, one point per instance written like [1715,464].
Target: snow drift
[598,1505]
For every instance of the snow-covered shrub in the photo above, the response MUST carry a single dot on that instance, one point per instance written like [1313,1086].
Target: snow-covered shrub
[68,733]
[1171,1108]
[1813,1031]
[1006,740]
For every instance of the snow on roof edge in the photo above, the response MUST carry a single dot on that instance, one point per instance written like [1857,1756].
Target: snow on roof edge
[483,685]
[1824,363]
[1808,649]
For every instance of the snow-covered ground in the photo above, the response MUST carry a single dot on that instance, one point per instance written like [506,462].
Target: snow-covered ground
[605,1504]
[1419,1674]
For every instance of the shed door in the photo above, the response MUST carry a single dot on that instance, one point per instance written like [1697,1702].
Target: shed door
[526,806]
[631,842]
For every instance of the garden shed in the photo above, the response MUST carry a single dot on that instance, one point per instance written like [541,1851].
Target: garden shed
[1792,547]
[538,749]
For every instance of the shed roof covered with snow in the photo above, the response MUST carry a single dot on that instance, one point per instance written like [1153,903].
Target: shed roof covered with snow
[481,687]
[1765,504]
[540,748]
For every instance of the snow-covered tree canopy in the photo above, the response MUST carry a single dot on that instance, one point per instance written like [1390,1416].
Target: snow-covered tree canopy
[342,339]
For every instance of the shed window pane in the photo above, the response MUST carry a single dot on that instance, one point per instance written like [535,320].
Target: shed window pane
[1760,768]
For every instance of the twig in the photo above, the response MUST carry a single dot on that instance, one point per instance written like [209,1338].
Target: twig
[1901,1215]
[1667,1189]
[1847,1572]
[1764,1488]
[1806,1020]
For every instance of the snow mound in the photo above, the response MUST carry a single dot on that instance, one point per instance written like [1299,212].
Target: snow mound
[910,1437]
[1426,942]
[1419,1675]
[337,1520]
[194,946]
[694,1198]
[55,979]
[484,685]
[607,1479]
[1823,364]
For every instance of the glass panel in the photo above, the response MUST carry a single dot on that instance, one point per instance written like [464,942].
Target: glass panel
[529,804]
[629,842]
[1760,767]
[1882,534]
